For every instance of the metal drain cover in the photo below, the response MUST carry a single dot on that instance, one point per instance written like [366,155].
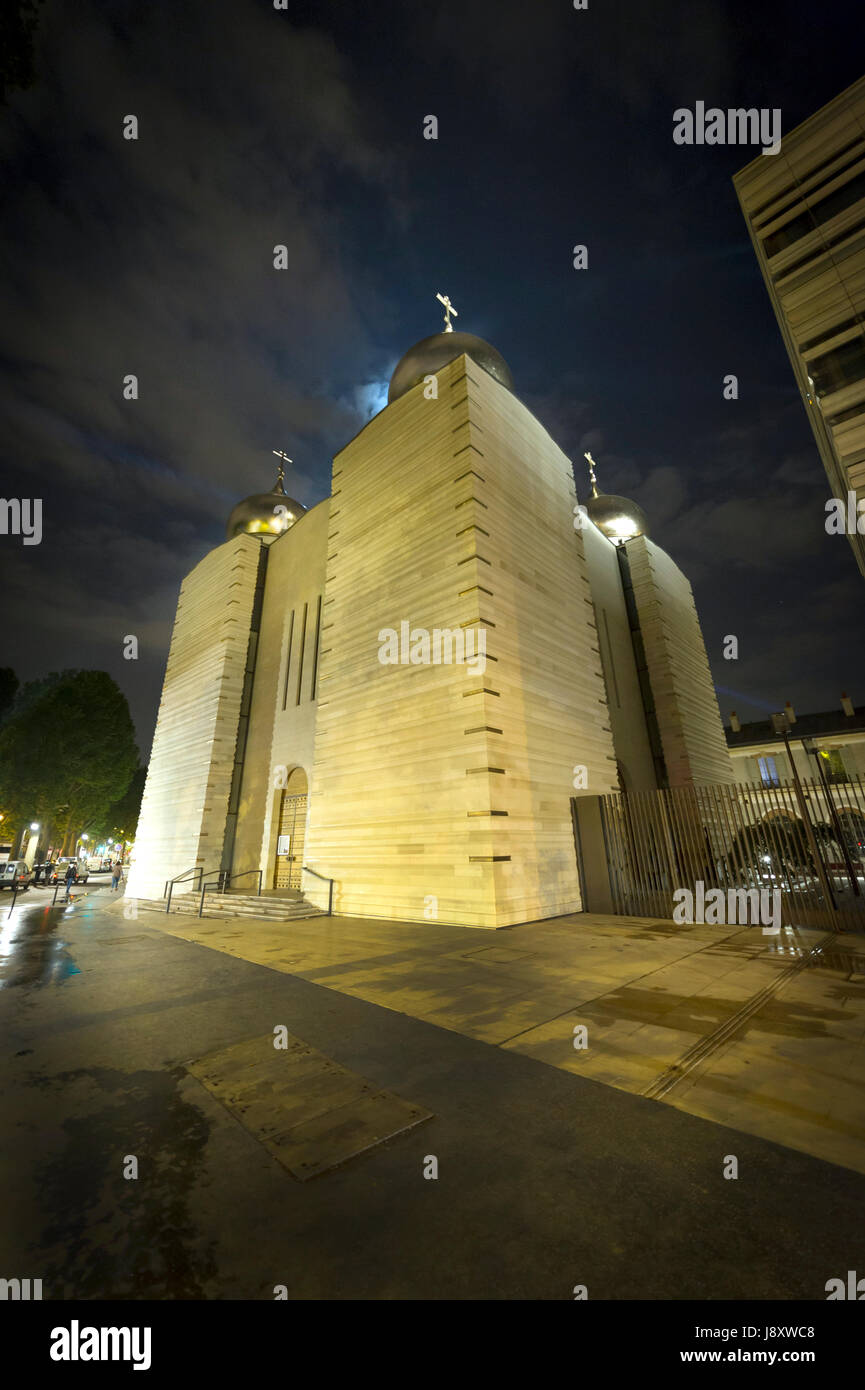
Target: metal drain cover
[309,1112]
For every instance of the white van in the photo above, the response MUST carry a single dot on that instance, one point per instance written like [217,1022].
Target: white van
[15,871]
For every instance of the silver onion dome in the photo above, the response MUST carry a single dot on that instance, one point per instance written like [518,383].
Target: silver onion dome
[265,514]
[431,354]
[618,518]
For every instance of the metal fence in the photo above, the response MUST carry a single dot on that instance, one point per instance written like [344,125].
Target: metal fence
[808,841]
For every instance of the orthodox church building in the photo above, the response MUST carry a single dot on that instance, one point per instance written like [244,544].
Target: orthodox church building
[402,689]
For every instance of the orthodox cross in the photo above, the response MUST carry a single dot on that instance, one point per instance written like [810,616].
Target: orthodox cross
[594,480]
[449,309]
[282,458]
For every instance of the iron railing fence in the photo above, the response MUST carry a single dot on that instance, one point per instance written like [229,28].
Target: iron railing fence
[806,841]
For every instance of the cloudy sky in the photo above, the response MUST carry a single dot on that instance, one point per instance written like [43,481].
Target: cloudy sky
[304,127]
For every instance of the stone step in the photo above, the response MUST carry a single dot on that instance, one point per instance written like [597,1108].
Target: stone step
[236,905]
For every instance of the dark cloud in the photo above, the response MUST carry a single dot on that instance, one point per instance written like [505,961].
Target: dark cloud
[155,257]
[304,128]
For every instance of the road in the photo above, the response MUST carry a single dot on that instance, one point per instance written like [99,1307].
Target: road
[546,1180]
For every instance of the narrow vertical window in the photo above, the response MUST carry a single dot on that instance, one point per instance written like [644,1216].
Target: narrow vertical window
[315,649]
[302,648]
[288,660]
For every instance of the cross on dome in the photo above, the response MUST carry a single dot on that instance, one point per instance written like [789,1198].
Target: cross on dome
[283,458]
[449,309]
[592,477]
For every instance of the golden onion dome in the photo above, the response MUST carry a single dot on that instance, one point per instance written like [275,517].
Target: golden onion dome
[265,514]
[618,518]
[431,354]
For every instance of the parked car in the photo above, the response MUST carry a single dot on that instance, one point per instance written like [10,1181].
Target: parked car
[58,870]
[15,871]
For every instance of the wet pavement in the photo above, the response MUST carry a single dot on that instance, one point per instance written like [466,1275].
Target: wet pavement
[125,1177]
[762,1032]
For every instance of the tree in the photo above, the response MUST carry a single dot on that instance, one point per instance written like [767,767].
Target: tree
[18,25]
[8,691]
[67,752]
[121,820]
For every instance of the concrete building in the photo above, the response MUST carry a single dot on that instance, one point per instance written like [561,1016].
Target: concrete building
[805,210]
[837,737]
[826,753]
[403,688]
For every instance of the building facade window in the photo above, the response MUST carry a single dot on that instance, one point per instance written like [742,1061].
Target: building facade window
[792,231]
[833,765]
[768,771]
[793,192]
[841,367]
[835,331]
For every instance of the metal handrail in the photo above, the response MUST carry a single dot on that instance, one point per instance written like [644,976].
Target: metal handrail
[210,873]
[224,881]
[229,878]
[180,878]
[324,878]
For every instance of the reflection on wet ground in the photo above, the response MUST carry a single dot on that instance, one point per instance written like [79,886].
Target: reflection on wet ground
[668,1010]
[102,1231]
[33,946]
[97,1079]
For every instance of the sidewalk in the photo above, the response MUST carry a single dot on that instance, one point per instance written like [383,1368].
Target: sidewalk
[752,1031]
[123,1040]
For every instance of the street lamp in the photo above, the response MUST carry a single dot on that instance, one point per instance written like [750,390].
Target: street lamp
[810,747]
[28,845]
[782,725]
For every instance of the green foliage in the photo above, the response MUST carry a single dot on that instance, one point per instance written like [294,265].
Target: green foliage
[18,24]
[121,821]
[8,691]
[67,751]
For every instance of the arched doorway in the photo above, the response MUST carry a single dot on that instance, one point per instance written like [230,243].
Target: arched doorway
[292,832]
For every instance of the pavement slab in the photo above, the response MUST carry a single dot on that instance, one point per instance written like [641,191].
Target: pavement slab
[307,1110]
[647,992]
[545,1176]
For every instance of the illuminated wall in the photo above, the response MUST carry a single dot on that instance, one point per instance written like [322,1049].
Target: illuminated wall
[185,804]
[439,791]
[285,689]
[686,707]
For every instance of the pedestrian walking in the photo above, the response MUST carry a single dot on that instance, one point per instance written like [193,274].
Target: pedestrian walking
[70,877]
[116,876]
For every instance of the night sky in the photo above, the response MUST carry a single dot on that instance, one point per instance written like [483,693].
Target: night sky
[305,127]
